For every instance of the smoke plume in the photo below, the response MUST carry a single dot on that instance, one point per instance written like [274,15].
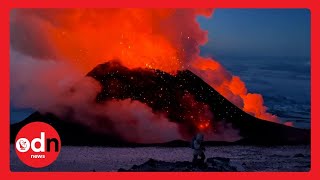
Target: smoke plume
[53,49]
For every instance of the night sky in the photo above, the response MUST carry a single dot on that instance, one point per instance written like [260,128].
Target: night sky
[258,32]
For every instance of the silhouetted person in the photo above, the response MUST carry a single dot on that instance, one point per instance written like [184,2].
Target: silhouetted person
[198,149]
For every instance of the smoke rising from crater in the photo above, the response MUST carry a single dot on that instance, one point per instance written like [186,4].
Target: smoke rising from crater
[53,49]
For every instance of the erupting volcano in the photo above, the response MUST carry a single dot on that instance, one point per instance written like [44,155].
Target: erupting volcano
[139,105]
[157,90]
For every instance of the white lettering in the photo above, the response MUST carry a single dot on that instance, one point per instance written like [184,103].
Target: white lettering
[41,141]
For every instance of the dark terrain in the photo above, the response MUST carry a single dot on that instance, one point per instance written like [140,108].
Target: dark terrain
[218,164]
[246,158]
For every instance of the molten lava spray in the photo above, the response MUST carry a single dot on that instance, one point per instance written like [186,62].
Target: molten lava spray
[154,38]
[51,48]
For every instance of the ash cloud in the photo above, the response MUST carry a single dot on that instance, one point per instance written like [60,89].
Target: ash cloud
[53,49]
[44,86]
[164,39]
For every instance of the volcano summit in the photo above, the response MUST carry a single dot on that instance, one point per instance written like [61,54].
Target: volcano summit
[182,101]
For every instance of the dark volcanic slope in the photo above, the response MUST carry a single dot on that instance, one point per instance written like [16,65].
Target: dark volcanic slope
[185,99]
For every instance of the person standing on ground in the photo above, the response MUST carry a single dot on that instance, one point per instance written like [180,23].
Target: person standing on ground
[198,149]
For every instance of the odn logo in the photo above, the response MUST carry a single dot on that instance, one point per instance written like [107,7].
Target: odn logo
[38,144]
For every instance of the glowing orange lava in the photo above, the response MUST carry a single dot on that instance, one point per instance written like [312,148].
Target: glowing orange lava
[203,124]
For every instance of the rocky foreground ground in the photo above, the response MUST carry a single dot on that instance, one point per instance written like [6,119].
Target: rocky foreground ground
[234,158]
[213,164]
